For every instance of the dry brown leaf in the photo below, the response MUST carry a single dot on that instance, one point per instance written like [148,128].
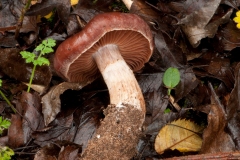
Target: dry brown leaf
[181,135]
[51,101]
[216,137]
[197,23]
[10,12]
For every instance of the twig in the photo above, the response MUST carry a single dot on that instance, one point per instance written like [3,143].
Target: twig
[8,102]
[175,105]
[20,20]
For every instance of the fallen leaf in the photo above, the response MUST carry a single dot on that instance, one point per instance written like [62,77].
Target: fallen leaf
[199,98]
[59,150]
[144,10]
[181,135]
[8,40]
[69,152]
[31,106]
[86,10]
[220,68]
[51,104]
[228,37]
[232,3]
[150,82]
[59,127]
[46,6]
[188,83]
[215,66]
[196,22]
[215,138]
[10,12]
[13,65]
[156,105]
[15,132]
[233,108]
[48,152]
[171,54]
[38,88]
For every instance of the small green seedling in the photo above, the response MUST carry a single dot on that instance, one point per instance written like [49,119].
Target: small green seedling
[44,48]
[171,78]
[6,99]
[6,153]
[167,110]
[4,124]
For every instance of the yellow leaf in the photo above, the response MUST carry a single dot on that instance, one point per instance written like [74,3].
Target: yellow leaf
[74,2]
[48,15]
[181,135]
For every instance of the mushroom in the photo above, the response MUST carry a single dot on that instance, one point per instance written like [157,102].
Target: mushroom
[113,44]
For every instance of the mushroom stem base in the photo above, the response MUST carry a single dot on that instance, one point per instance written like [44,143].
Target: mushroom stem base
[118,135]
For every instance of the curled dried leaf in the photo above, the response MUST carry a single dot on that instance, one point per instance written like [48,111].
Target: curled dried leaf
[51,101]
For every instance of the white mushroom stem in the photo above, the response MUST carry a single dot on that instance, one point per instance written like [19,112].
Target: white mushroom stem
[128,3]
[119,78]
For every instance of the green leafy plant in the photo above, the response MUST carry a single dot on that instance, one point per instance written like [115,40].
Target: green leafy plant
[6,99]
[4,124]
[171,78]
[6,153]
[44,48]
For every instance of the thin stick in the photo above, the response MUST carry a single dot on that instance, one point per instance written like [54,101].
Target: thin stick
[175,105]
[8,102]
[20,21]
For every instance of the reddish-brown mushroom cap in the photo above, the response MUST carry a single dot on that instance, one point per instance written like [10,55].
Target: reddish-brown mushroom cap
[73,58]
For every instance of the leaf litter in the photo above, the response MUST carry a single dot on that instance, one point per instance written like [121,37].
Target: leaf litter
[197,37]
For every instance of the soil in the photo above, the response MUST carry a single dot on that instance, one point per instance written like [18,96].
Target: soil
[122,127]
